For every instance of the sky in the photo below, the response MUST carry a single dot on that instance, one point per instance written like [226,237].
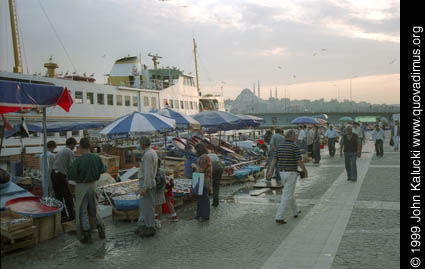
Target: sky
[306,49]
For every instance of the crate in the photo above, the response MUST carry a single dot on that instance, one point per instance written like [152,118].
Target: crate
[110,160]
[21,243]
[131,215]
[9,222]
[48,227]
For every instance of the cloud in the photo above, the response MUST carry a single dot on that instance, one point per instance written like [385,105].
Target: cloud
[273,52]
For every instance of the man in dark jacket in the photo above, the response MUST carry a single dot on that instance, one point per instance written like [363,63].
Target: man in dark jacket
[85,171]
[349,145]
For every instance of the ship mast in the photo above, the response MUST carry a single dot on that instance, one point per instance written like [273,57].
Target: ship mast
[15,38]
[196,67]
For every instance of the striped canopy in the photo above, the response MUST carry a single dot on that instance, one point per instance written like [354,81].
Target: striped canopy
[182,120]
[138,123]
[346,119]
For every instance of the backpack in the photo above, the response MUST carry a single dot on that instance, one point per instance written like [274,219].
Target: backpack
[160,180]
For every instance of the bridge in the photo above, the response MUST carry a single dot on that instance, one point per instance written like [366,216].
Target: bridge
[284,119]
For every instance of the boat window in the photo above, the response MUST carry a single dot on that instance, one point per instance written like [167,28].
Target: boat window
[196,105]
[75,133]
[171,103]
[145,101]
[50,134]
[135,101]
[78,97]
[110,100]
[191,105]
[90,98]
[186,105]
[153,102]
[119,100]
[62,134]
[181,105]
[176,103]
[100,98]
[127,101]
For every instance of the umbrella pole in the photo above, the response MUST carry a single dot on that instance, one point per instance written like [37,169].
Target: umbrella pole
[45,176]
[2,137]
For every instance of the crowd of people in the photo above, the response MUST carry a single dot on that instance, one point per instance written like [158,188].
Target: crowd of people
[283,151]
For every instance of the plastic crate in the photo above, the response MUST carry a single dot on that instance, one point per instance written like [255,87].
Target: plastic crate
[125,204]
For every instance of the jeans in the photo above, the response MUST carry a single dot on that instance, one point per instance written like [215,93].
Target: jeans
[276,167]
[350,165]
[331,146]
[379,147]
[289,180]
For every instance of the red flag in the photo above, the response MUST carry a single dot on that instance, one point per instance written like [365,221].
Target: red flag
[7,125]
[65,101]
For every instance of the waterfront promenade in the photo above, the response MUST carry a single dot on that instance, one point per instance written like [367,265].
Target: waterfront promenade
[343,225]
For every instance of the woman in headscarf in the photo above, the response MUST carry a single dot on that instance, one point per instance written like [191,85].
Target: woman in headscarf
[204,165]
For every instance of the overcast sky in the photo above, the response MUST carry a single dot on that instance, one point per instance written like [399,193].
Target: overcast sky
[313,49]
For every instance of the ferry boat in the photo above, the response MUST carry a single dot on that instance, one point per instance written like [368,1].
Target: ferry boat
[131,86]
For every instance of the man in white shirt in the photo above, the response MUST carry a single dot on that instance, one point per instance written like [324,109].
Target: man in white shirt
[331,134]
[378,136]
[51,146]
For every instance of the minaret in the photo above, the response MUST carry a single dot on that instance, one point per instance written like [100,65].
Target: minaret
[271,96]
[253,86]
[275,93]
[258,89]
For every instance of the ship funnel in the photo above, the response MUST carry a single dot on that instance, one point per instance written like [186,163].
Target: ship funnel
[51,68]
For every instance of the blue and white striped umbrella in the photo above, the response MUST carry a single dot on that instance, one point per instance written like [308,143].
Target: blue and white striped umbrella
[138,123]
[182,120]
[219,120]
[305,120]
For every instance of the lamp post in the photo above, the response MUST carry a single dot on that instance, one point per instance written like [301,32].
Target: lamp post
[337,90]
[222,88]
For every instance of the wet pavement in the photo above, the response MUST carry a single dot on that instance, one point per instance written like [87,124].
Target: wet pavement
[342,225]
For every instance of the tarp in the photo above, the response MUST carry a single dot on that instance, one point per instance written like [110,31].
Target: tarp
[366,119]
[219,120]
[15,96]
[251,121]
[56,127]
[182,120]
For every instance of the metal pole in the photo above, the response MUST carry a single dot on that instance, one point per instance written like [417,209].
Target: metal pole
[45,184]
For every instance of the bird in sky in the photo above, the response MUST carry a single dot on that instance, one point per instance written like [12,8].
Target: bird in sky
[392,61]
[323,49]
[280,67]
[104,55]
[314,54]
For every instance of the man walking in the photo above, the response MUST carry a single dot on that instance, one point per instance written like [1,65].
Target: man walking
[85,171]
[275,141]
[395,134]
[147,185]
[331,134]
[316,145]
[378,136]
[349,145]
[288,156]
[310,141]
[61,165]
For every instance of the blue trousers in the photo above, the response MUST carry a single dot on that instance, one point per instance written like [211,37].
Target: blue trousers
[350,165]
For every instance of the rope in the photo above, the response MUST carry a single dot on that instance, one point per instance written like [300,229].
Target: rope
[57,35]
